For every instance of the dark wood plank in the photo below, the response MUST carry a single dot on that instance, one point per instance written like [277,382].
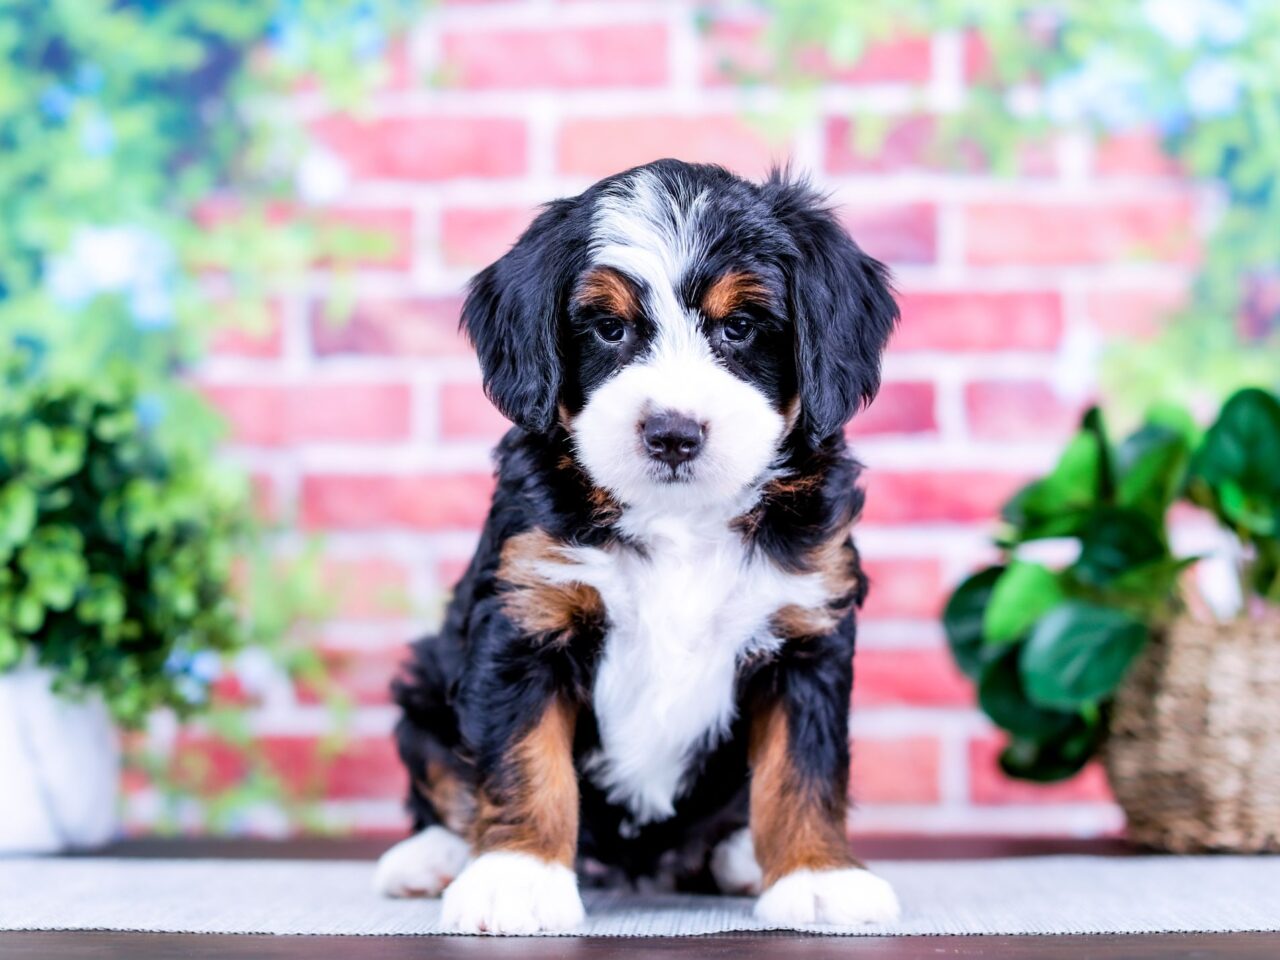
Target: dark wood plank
[136,946]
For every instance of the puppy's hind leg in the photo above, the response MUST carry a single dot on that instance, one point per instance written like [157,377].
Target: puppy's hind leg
[441,799]
[423,865]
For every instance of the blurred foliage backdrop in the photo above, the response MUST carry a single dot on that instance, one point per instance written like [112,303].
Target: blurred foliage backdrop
[1200,72]
[129,128]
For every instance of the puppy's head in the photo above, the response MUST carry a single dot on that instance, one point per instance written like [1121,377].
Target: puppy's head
[681,324]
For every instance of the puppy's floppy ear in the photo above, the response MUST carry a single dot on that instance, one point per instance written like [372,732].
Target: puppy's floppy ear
[512,317]
[842,306]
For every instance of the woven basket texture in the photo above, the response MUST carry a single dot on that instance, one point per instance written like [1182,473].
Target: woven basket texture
[1193,753]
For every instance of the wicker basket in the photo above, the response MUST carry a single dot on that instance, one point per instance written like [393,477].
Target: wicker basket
[1193,753]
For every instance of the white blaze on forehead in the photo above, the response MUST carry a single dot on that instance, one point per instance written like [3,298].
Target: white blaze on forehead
[642,229]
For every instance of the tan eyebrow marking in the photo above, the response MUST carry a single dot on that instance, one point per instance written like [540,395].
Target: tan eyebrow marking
[730,292]
[609,290]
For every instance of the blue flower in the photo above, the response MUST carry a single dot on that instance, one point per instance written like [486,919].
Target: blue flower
[56,102]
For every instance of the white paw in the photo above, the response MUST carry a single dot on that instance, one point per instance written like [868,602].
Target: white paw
[733,864]
[421,866]
[844,897]
[504,892]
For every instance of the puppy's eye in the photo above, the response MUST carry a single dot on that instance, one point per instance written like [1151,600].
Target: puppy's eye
[611,330]
[738,329]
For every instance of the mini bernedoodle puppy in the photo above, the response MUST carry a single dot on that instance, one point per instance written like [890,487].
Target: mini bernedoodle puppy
[646,669]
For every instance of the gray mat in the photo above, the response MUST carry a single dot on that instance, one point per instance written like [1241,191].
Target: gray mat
[1039,895]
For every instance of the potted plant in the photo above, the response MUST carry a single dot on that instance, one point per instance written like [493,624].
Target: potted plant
[115,564]
[1099,652]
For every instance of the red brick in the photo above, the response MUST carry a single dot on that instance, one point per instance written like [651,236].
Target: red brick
[363,675]
[909,678]
[341,235]
[629,55]
[475,237]
[962,496]
[260,337]
[906,143]
[901,407]
[1079,233]
[915,143]
[365,238]
[274,415]
[1134,154]
[904,588]
[449,571]
[381,326]
[427,147]
[467,414]
[1018,410]
[990,787]
[450,501]
[962,321]
[897,233]
[903,770]
[368,588]
[738,50]
[1139,313]
[601,146]
[364,768]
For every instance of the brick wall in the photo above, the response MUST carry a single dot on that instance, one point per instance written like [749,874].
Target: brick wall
[375,433]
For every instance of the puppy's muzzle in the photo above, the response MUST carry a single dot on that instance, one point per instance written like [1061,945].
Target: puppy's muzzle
[672,438]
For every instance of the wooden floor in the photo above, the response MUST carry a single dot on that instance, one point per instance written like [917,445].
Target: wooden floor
[142,946]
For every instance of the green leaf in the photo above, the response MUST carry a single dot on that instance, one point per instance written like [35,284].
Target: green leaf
[1151,466]
[1055,758]
[1236,470]
[1057,505]
[963,620]
[1003,698]
[1078,654]
[17,515]
[1024,593]
[1114,541]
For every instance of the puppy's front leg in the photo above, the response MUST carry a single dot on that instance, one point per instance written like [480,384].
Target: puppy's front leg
[525,836]
[799,778]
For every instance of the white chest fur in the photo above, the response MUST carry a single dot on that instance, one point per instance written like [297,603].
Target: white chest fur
[681,614]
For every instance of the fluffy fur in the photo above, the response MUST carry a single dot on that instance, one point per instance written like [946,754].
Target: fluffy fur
[651,650]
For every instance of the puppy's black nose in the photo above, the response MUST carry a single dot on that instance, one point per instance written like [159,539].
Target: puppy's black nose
[672,438]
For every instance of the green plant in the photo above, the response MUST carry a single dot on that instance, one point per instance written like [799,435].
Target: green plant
[1198,73]
[115,547]
[1048,647]
[1236,475]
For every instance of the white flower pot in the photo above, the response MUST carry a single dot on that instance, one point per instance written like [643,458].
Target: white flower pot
[59,767]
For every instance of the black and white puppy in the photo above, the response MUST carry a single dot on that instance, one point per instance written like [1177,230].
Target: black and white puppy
[646,669]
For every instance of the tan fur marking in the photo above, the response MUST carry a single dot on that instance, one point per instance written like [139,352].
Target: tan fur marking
[836,561]
[534,603]
[732,291]
[536,810]
[791,826]
[453,800]
[608,290]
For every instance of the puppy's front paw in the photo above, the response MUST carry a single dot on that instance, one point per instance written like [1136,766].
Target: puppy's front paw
[421,866]
[506,892]
[845,897]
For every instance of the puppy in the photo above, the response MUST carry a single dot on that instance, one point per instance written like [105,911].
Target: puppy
[646,669]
